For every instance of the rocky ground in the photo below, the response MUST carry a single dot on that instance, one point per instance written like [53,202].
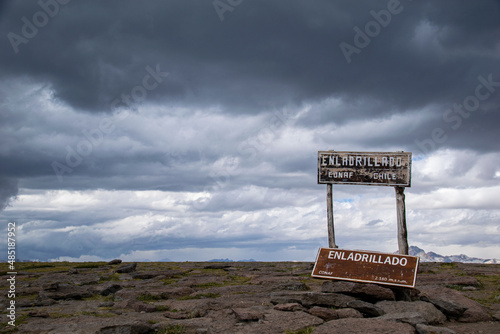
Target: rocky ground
[251,297]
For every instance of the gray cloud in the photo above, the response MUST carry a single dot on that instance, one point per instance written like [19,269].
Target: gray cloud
[226,116]
[8,191]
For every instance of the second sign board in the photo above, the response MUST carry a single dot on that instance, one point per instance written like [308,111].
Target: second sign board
[365,168]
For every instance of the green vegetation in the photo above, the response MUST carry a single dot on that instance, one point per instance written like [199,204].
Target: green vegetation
[98,314]
[38,266]
[200,296]
[109,298]
[307,330]
[147,297]
[489,290]
[172,329]
[90,265]
[112,277]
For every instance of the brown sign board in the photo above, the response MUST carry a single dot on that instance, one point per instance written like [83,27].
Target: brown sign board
[366,266]
[365,168]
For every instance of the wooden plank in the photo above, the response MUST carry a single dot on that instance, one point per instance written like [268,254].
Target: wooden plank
[365,168]
[329,214]
[401,214]
[366,266]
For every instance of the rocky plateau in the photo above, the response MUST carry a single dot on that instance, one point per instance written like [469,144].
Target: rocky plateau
[244,297]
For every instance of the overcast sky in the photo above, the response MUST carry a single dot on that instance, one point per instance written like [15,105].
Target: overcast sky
[189,130]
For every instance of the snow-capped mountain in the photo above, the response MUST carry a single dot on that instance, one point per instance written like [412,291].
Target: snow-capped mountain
[433,257]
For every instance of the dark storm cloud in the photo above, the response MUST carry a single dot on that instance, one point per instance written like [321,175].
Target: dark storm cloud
[226,111]
[263,55]
[8,191]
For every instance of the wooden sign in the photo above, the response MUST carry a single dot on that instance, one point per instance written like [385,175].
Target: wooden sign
[364,266]
[365,168]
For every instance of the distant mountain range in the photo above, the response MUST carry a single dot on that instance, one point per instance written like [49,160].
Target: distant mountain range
[228,260]
[433,257]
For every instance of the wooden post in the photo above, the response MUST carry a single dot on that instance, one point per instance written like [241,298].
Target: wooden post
[329,213]
[401,213]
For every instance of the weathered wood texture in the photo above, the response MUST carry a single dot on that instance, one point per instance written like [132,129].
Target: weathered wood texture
[365,168]
[329,213]
[401,214]
[364,266]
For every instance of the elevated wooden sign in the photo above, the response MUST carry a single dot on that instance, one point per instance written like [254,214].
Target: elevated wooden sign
[365,168]
[368,267]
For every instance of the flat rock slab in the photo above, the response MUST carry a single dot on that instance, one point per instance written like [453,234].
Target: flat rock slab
[367,292]
[428,311]
[364,326]
[412,318]
[455,305]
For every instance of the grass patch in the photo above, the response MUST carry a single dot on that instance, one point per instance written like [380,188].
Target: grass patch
[200,296]
[172,329]
[163,308]
[112,277]
[57,315]
[90,265]
[488,290]
[39,265]
[210,285]
[98,314]
[109,298]
[169,281]
[147,297]
[449,265]
[307,330]
[42,267]
[231,280]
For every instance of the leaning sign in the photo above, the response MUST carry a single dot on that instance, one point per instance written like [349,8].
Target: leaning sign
[365,168]
[376,169]
[364,266]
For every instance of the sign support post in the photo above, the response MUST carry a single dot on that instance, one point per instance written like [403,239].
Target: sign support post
[401,213]
[329,213]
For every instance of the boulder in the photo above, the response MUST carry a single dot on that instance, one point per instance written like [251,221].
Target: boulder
[328,314]
[107,289]
[367,292]
[66,291]
[324,313]
[454,304]
[293,286]
[309,299]
[289,307]
[412,318]
[348,313]
[115,261]
[428,311]
[126,268]
[135,305]
[363,326]
[248,314]
[426,329]
[367,309]
[133,328]
[281,322]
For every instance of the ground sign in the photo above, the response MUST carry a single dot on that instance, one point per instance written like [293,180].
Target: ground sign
[369,267]
[365,168]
